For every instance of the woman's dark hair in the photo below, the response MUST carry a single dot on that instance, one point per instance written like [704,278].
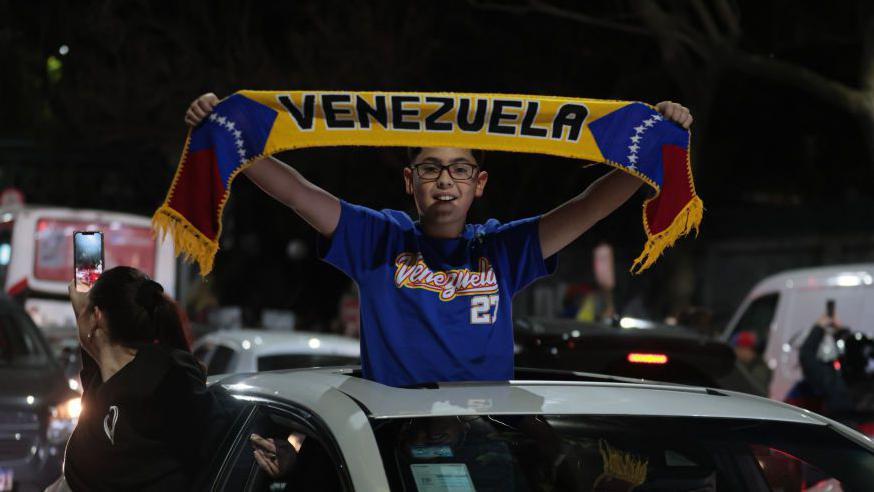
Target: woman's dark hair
[138,311]
[478,155]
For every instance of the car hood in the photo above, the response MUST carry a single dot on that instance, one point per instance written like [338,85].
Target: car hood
[32,386]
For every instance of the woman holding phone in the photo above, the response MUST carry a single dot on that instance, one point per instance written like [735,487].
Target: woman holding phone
[145,404]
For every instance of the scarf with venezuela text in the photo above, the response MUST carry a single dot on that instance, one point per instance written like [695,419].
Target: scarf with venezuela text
[248,125]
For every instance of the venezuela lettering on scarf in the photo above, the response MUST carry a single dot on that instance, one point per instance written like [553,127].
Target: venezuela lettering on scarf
[494,116]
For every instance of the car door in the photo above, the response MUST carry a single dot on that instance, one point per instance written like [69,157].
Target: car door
[318,464]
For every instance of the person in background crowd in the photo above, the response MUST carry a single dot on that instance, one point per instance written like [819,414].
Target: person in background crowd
[699,319]
[748,352]
[147,414]
[821,369]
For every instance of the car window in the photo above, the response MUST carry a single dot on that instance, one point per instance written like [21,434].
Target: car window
[297,361]
[757,320]
[227,425]
[783,471]
[221,361]
[307,459]
[20,345]
[202,353]
[555,452]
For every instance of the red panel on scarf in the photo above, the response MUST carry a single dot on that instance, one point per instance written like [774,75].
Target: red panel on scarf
[201,209]
[676,190]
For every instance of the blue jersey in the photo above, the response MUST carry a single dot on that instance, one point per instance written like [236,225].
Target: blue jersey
[435,309]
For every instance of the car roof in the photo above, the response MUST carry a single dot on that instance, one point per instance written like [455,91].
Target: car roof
[605,396]
[852,275]
[268,342]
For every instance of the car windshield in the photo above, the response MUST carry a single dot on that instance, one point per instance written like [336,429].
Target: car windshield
[582,453]
[299,361]
[20,344]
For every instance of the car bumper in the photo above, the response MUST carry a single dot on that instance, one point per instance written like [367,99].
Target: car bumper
[37,471]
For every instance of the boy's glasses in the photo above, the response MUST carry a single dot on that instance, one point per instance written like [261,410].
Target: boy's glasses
[459,171]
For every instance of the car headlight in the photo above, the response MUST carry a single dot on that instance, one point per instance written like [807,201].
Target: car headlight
[63,419]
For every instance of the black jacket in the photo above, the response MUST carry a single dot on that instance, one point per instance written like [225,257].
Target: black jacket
[823,377]
[144,428]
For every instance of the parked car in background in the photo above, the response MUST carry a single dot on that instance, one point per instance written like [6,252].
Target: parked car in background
[525,435]
[642,349]
[258,350]
[36,258]
[780,310]
[38,409]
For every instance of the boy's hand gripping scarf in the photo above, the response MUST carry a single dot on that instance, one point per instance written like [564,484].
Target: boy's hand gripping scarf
[249,125]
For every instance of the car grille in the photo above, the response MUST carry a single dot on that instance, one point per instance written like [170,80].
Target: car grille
[19,434]
[12,449]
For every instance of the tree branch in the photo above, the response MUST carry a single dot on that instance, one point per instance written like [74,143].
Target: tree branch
[854,101]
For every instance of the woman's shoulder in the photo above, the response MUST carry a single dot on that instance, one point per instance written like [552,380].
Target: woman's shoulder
[170,364]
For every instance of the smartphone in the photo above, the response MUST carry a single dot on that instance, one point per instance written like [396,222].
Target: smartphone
[87,258]
[830,308]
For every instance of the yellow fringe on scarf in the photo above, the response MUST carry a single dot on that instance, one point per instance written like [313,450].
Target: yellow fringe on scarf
[187,240]
[619,465]
[687,220]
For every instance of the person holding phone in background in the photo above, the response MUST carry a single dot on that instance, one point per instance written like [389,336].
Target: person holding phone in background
[146,409]
[818,356]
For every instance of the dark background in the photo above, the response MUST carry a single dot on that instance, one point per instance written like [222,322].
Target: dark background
[782,93]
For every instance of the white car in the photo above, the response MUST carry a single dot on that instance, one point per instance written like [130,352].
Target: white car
[258,350]
[586,432]
[781,309]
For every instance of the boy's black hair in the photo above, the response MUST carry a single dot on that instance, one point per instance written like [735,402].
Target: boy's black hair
[478,155]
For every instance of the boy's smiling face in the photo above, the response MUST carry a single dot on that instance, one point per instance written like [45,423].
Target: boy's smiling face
[443,200]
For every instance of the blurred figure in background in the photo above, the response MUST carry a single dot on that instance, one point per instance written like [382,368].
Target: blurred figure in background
[200,302]
[821,369]
[748,351]
[699,319]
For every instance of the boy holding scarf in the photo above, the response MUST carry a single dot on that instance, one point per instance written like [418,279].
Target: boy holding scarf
[436,293]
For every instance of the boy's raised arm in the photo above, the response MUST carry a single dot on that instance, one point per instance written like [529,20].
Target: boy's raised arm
[563,224]
[316,206]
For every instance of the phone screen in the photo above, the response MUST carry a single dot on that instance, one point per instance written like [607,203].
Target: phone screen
[830,308]
[88,258]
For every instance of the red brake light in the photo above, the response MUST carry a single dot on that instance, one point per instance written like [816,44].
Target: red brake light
[640,358]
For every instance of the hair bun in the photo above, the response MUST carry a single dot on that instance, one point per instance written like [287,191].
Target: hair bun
[149,293]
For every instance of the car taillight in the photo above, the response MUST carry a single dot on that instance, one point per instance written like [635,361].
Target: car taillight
[644,358]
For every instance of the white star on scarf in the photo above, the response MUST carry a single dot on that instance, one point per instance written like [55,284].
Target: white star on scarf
[632,158]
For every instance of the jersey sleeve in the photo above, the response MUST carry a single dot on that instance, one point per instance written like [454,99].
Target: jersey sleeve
[360,242]
[519,255]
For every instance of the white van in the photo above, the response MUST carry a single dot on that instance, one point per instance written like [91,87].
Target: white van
[36,257]
[781,309]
